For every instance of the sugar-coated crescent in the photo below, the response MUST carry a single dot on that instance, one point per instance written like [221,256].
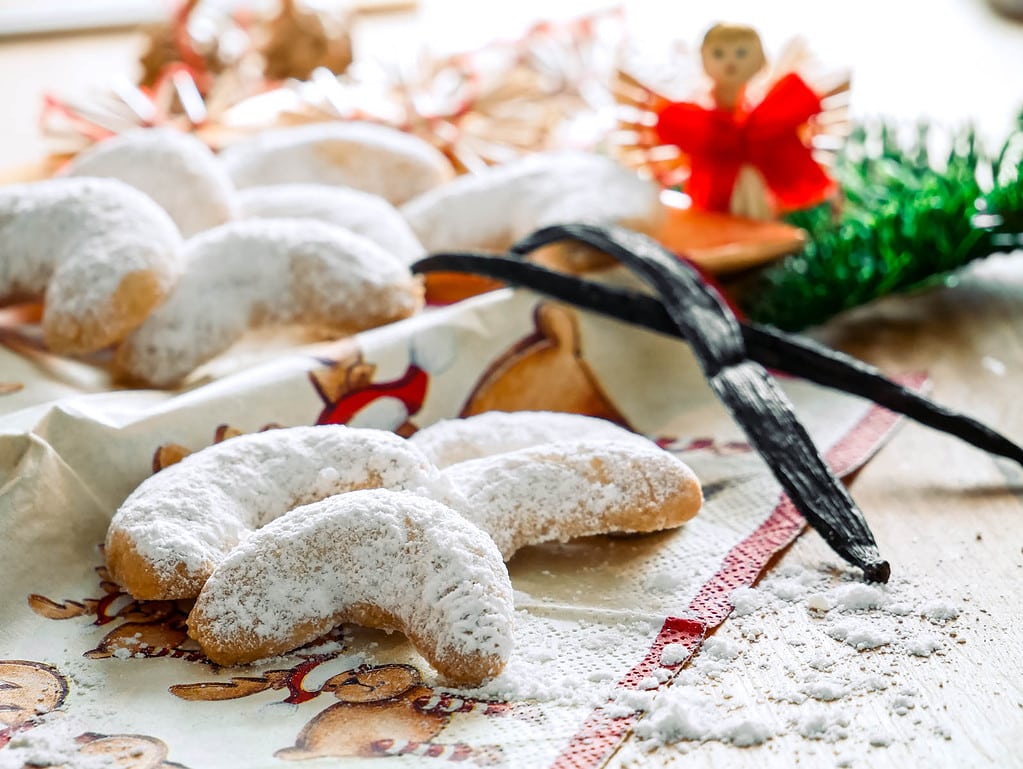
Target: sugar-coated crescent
[167,537]
[100,254]
[175,169]
[361,212]
[378,558]
[560,491]
[367,156]
[450,441]
[266,272]
[492,209]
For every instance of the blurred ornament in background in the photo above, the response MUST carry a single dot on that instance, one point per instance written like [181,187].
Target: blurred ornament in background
[548,89]
[206,42]
[300,39]
[1011,8]
[200,63]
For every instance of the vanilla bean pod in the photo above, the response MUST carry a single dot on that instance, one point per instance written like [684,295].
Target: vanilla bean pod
[774,349]
[742,385]
[824,366]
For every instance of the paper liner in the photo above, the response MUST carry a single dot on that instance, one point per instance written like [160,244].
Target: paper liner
[593,616]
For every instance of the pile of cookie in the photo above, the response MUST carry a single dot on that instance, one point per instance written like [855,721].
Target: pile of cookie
[151,244]
[280,536]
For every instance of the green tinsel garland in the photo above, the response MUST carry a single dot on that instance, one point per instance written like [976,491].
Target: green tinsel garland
[907,221]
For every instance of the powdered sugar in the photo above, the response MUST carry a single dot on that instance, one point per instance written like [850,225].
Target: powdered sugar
[54,741]
[546,667]
[845,672]
[374,158]
[267,272]
[822,724]
[720,649]
[423,567]
[745,601]
[175,169]
[493,208]
[939,611]
[673,654]
[185,519]
[559,491]
[450,441]
[679,715]
[858,633]
[361,212]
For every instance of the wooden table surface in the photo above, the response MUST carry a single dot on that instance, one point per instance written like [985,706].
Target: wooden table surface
[943,512]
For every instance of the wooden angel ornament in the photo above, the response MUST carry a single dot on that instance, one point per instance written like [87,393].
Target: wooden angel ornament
[749,159]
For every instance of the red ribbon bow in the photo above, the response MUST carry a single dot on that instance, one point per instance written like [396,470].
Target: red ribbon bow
[719,142]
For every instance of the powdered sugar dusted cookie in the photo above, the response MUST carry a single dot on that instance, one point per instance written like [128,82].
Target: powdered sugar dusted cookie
[100,253]
[377,558]
[172,531]
[450,441]
[369,157]
[558,491]
[492,209]
[266,272]
[361,212]
[175,169]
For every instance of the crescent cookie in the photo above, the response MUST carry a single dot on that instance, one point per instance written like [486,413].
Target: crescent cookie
[171,532]
[377,558]
[175,169]
[98,252]
[369,157]
[363,213]
[450,441]
[559,491]
[494,208]
[266,272]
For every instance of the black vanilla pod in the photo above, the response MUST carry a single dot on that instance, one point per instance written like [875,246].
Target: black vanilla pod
[744,386]
[778,350]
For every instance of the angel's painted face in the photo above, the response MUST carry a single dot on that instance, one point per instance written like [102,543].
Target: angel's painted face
[732,60]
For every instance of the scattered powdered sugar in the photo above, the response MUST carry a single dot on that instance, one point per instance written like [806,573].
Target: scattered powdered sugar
[54,741]
[825,690]
[903,702]
[851,644]
[673,654]
[746,601]
[679,714]
[924,645]
[822,724]
[857,596]
[567,679]
[858,632]
[939,611]
[664,581]
[720,649]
